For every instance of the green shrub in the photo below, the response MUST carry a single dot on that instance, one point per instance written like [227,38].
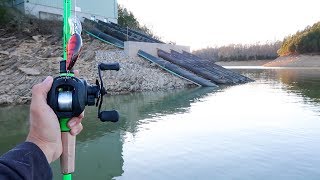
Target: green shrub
[2,15]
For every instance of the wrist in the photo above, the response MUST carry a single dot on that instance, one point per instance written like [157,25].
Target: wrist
[42,145]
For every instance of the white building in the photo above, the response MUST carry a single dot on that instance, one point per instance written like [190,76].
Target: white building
[105,10]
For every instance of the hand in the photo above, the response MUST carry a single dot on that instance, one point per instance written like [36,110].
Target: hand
[44,125]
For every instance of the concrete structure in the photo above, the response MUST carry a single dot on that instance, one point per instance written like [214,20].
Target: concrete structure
[105,10]
[131,48]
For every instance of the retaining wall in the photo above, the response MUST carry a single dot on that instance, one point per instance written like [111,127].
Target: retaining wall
[131,48]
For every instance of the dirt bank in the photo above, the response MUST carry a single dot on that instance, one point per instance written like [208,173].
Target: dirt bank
[27,60]
[295,61]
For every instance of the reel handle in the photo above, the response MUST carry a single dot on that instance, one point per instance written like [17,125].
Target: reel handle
[109,66]
[111,116]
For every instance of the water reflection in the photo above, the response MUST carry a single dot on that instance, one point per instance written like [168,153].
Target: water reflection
[13,126]
[100,145]
[304,82]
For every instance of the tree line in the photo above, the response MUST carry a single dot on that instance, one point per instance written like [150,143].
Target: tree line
[127,19]
[3,10]
[240,52]
[305,41]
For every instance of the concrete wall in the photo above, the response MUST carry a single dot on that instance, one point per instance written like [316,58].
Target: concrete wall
[37,10]
[131,48]
[100,9]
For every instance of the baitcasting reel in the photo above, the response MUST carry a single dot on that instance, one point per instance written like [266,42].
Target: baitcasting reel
[68,96]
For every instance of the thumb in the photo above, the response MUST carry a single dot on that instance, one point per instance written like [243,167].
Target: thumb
[46,84]
[40,91]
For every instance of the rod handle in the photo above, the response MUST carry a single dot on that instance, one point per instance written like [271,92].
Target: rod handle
[67,158]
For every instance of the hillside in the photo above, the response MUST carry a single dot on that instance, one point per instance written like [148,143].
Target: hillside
[305,41]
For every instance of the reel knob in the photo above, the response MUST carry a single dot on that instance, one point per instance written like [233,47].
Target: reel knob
[109,66]
[111,116]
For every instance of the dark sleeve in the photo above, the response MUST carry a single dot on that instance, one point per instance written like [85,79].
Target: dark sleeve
[25,161]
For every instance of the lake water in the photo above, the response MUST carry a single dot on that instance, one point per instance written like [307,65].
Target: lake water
[267,129]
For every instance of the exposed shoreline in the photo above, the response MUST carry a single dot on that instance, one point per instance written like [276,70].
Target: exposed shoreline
[243,63]
[295,61]
[303,61]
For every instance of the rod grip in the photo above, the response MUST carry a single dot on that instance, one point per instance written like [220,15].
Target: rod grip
[67,158]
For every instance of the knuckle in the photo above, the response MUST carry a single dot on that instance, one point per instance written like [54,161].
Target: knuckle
[78,129]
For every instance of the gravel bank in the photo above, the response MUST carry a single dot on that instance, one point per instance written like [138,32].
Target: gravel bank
[26,61]
[137,74]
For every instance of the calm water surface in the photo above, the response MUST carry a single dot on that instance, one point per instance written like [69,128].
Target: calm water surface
[267,129]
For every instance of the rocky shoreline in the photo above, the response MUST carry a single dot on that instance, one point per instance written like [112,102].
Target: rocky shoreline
[28,60]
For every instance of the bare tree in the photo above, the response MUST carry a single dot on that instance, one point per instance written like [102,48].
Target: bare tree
[239,52]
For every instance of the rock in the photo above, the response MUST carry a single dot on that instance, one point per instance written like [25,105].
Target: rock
[29,71]
[8,38]
[153,65]
[5,53]
[36,38]
[6,99]
[88,56]
[57,59]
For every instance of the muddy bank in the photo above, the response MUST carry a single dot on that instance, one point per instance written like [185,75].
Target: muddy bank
[27,60]
[295,61]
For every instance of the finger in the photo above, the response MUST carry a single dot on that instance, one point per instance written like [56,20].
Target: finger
[76,130]
[76,73]
[74,121]
[40,91]
[46,85]
[81,115]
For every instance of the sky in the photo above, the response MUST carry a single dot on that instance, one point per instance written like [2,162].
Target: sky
[210,23]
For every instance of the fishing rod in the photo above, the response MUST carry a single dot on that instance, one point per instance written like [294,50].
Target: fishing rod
[69,95]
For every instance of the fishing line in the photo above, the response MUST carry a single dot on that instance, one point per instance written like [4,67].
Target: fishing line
[75,8]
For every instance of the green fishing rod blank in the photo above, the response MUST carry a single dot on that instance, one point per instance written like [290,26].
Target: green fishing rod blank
[67,177]
[64,121]
[66,26]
